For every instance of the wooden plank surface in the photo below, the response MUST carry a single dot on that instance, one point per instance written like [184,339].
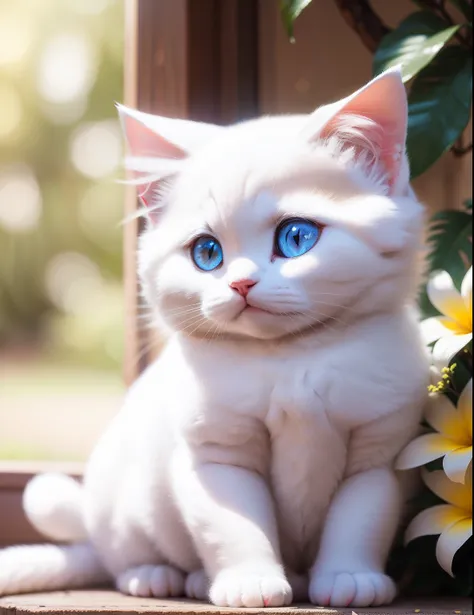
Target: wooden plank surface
[15,474]
[100,601]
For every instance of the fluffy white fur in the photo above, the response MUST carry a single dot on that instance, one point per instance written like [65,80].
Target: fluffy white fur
[252,462]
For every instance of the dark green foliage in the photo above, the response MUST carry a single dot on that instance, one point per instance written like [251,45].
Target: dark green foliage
[414,44]
[450,246]
[439,106]
[435,55]
[436,59]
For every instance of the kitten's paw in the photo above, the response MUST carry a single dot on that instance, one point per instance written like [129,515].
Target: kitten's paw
[346,589]
[151,581]
[197,585]
[238,588]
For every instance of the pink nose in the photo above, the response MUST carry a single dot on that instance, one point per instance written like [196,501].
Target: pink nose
[242,286]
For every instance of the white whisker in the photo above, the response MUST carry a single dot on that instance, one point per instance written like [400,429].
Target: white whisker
[144,351]
[326,317]
[339,306]
[318,293]
[192,321]
[184,310]
[203,320]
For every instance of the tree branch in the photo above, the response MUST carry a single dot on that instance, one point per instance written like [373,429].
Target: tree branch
[362,18]
[438,6]
[460,151]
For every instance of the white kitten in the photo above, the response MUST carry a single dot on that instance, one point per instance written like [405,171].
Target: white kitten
[281,259]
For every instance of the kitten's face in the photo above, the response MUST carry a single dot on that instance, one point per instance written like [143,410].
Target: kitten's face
[281,225]
[269,237]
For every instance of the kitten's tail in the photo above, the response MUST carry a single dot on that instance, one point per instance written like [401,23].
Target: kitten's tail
[53,505]
[49,567]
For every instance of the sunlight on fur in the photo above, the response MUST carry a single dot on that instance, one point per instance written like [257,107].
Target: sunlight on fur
[252,463]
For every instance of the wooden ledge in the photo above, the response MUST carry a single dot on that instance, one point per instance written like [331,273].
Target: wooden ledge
[100,601]
[15,474]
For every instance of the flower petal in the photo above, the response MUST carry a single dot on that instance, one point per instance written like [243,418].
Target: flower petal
[465,407]
[432,521]
[450,541]
[433,329]
[468,483]
[457,494]
[466,290]
[444,295]
[453,326]
[447,347]
[443,416]
[455,463]
[424,449]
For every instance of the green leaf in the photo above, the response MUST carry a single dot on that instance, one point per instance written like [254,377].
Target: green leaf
[414,44]
[463,372]
[450,240]
[450,245]
[290,10]
[439,107]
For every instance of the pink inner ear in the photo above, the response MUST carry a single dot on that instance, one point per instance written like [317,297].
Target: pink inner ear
[384,102]
[144,142]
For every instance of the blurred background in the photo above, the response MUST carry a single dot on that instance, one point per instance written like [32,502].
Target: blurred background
[61,303]
[61,70]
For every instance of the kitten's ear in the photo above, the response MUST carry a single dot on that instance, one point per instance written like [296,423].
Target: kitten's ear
[374,118]
[157,146]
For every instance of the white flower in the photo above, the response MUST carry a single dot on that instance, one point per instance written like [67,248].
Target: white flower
[453,520]
[453,330]
[453,440]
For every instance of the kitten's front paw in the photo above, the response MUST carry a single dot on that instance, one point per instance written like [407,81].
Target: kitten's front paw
[238,588]
[346,589]
[151,581]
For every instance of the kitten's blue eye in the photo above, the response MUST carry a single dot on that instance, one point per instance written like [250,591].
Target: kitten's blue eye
[295,237]
[207,253]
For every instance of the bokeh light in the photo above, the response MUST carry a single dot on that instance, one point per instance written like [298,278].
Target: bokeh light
[11,110]
[67,68]
[66,112]
[61,288]
[16,35]
[71,280]
[20,200]
[89,7]
[96,148]
[99,214]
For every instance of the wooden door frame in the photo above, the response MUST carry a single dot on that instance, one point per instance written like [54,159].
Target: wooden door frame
[186,59]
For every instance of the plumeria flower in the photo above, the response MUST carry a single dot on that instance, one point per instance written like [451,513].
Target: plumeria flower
[453,520]
[453,330]
[453,440]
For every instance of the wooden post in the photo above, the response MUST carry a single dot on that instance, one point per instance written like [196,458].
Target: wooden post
[193,59]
